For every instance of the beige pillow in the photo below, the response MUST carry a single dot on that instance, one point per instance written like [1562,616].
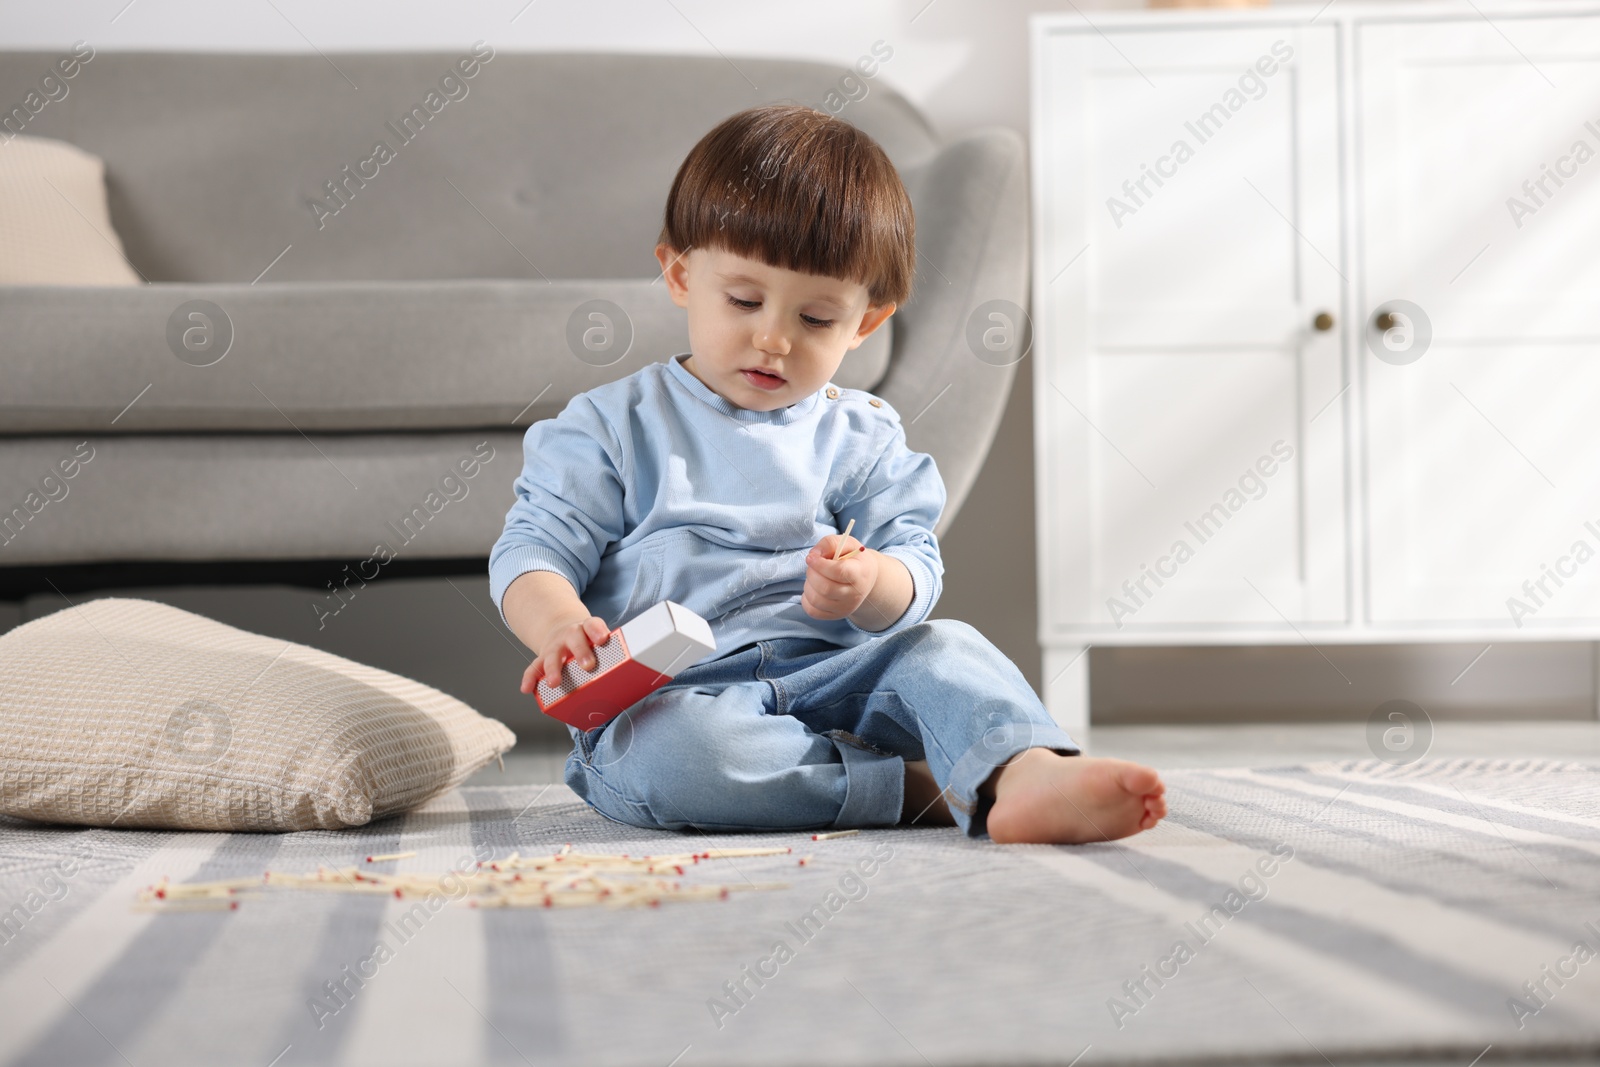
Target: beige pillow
[123,712]
[55,228]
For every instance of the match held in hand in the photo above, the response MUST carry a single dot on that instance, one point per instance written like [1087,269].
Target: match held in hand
[854,551]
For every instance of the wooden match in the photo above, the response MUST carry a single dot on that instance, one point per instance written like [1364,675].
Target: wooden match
[856,551]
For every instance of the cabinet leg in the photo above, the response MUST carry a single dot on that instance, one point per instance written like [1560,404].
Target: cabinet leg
[1595,652]
[1066,690]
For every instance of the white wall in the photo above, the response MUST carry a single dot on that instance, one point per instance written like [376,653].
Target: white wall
[963,62]
[966,65]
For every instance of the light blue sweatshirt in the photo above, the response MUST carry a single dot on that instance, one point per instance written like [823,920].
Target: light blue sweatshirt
[653,487]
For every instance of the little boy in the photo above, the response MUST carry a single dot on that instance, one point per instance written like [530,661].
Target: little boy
[720,480]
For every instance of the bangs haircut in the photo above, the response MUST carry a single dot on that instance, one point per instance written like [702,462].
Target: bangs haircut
[799,189]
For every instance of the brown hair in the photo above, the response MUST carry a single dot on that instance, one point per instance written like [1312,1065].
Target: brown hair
[800,189]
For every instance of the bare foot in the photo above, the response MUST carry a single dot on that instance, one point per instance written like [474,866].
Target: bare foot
[924,804]
[1044,797]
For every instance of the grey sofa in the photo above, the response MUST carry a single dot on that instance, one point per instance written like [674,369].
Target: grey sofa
[351,363]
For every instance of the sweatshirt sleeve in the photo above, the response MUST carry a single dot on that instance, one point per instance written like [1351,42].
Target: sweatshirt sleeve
[569,502]
[896,508]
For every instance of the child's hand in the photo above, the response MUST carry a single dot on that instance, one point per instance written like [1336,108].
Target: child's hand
[568,641]
[837,587]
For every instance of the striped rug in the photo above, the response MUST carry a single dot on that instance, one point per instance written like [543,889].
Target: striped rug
[1337,912]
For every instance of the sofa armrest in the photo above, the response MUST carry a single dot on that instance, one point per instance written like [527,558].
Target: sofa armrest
[971,203]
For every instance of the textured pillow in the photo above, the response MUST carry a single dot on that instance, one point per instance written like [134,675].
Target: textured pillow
[55,228]
[128,713]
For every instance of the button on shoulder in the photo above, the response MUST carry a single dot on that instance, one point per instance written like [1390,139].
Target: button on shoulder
[851,398]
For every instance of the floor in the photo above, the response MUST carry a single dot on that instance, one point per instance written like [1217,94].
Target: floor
[1233,744]
[1237,744]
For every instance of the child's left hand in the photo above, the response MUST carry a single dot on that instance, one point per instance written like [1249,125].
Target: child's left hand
[835,588]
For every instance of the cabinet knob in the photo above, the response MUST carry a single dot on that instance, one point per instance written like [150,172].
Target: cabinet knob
[1323,321]
[1386,321]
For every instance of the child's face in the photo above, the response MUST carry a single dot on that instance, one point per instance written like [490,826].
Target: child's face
[746,316]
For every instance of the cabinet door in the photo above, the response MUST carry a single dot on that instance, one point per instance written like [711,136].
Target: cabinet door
[1190,417]
[1480,205]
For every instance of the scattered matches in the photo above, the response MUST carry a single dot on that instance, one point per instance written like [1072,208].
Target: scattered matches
[559,880]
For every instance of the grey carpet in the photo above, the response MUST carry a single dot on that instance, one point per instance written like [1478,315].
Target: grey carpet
[1405,910]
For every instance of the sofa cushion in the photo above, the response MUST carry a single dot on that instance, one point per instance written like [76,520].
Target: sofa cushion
[130,713]
[542,164]
[55,227]
[443,355]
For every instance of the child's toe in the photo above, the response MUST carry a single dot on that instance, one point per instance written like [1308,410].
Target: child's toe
[1140,780]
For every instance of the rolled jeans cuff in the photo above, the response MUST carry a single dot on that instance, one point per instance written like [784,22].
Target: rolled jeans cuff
[971,811]
[875,787]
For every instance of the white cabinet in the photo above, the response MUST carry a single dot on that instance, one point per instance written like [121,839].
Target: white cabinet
[1479,201]
[1231,445]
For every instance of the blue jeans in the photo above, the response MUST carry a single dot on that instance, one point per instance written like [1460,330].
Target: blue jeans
[800,734]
